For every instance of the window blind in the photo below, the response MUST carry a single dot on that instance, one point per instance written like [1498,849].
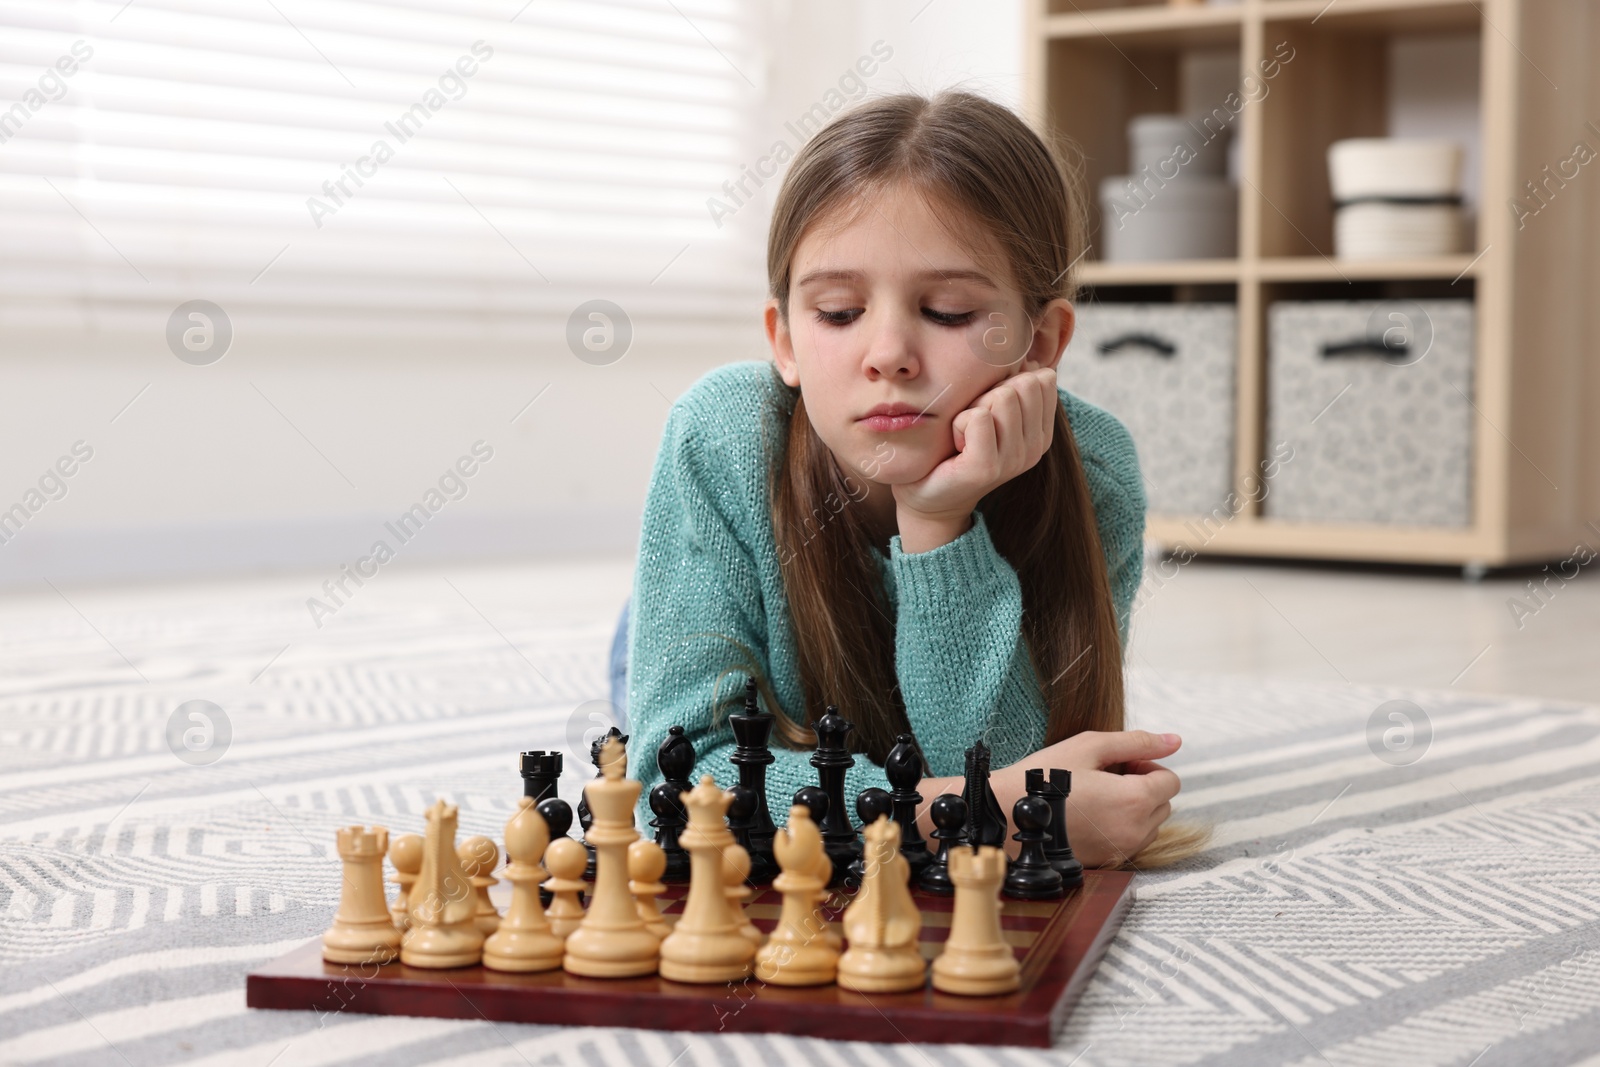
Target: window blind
[433,167]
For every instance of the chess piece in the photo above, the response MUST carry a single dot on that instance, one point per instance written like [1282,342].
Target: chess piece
[564,860]
[585,816]
[741,809]
[735,873]
[752,729]
[646,861]
[540,772]
[362,930]
[882,924]
[479,856]
[903,766]
[1057,849]
[871,802]
[675,758]
[442,909]
[798,953]
[815,803]
[612,941]
[1030,876]
[557,816]
[706,945]
[524,942]
[977,961]
[949,814]
[986,823]
[839,838]
[405,853]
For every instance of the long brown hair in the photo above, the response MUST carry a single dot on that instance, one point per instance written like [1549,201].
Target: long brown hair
[998,177]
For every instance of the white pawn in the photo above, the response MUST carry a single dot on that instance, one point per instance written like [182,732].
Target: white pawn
[405,853]
[646,863]
[479,856]
[524,941]
[565,860]
[362,931]
[735,869]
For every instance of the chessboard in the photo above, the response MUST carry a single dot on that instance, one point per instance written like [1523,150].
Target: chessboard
[1057,942]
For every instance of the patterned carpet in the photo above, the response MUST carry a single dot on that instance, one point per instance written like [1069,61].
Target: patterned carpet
[1352,909]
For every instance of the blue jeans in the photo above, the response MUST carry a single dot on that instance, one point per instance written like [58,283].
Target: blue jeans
[619,667]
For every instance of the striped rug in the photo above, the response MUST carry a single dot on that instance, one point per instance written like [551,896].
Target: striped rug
[1377,892]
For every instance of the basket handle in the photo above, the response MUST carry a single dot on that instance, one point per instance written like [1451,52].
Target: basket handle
[1160,345]
[1366,346]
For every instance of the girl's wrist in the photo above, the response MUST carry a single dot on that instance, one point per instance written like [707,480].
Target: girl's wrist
[923,533]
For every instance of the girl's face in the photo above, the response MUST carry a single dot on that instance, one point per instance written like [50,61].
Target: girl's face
[895,326]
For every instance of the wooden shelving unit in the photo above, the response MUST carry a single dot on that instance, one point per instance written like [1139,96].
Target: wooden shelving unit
[1093,64]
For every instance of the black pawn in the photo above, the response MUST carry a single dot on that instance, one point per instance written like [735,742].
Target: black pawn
[540,772]
[872,804]
[1030,876]
[986,823]
[585,817]
[949,814]
[814,800]
[557,815]
[675,758]
[740,808]
[839,838]
[1058,850]
[904,768]
[752,729]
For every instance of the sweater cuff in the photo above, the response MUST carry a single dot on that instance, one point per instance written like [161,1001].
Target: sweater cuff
[935,581]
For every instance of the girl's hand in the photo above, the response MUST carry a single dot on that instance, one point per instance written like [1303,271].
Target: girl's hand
[1120,795]
[1002,434]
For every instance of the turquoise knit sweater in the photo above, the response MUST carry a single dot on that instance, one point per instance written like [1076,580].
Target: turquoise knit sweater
[708,565]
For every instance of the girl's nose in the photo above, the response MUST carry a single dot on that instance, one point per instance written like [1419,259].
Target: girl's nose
[891,349]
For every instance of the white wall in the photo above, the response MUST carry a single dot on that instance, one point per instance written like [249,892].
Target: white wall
[202,474]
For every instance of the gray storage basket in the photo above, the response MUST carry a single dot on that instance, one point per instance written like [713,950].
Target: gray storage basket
[1373,396]
[1167,371]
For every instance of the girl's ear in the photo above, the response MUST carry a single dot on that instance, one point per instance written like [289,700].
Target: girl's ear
[1053,332]
[781,343]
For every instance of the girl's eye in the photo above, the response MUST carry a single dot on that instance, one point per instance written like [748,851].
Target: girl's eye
[839,318]
[948,318]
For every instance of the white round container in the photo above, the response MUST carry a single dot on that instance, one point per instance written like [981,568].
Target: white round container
[1195,217]
[1153,140]
[1375,230]
[1392,166]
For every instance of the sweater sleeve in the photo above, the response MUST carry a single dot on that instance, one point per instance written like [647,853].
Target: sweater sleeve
[698,620]
[958,642]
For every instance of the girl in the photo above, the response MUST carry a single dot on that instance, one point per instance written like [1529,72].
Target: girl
[901,514]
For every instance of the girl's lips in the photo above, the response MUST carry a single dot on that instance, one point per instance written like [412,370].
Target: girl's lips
[890,423]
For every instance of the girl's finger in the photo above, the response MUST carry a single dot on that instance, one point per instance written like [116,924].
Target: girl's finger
[1010,432]
[1160,785]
